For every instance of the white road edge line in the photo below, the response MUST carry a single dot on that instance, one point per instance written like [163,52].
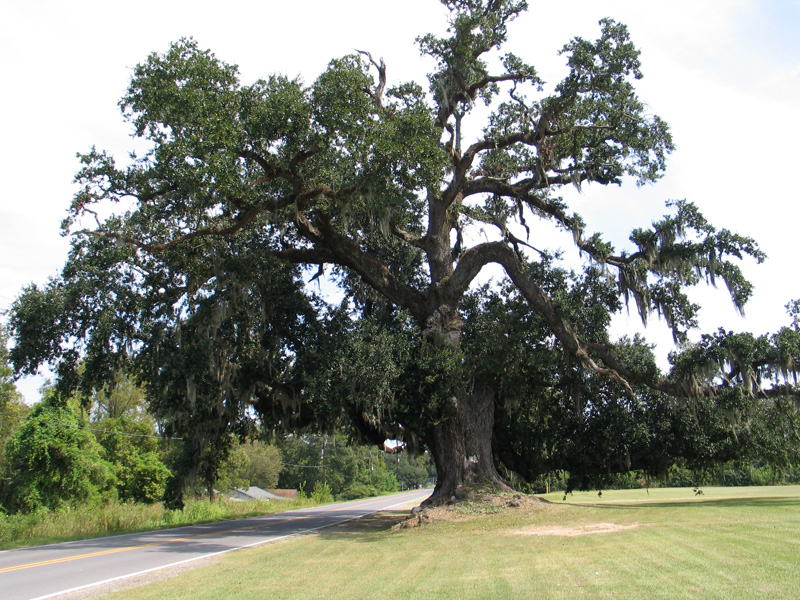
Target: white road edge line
[188,560]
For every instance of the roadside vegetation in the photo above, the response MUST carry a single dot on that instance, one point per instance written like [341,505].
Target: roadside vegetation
[75,467]
[668,543]
[44,526]
[66,475]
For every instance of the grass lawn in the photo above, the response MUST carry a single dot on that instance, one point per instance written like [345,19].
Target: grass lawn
[725,543]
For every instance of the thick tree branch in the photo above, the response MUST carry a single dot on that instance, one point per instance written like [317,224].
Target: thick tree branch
[301,200]
[307,256]
[377,94]
[520,192]
[236,226]
[474,259]
[472,91]
[348,253]
[471,263]
[413,240]
[781,391]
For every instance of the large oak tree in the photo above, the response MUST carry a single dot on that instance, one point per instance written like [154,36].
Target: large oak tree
[400,197]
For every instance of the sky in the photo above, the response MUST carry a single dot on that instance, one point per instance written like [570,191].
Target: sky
[725,74]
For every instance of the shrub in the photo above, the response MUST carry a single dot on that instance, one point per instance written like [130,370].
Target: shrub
[53,462]
[322,493]
[358,490]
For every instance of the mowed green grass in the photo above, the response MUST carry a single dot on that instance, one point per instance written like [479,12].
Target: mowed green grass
[726,543]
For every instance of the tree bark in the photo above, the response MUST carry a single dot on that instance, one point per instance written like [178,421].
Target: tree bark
[461,446]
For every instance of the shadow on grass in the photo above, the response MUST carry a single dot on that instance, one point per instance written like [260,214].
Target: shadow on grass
[372,528]
[698,502]
[365,529]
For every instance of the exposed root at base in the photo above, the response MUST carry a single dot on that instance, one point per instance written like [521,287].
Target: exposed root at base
[476,504]
[473,491]
[419,516]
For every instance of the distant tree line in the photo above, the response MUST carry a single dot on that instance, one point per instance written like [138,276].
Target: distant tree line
[349,471]
[108,447]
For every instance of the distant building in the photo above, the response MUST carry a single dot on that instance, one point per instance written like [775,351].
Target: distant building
[254,493]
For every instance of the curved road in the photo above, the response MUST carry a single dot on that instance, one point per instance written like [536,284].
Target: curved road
[46,571]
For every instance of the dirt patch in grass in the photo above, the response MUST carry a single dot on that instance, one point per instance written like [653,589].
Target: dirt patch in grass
[479,505]
[484,504]
[590,529]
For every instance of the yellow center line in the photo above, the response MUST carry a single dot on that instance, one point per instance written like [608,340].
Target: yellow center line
[164,542]
[139,547]
[89,555]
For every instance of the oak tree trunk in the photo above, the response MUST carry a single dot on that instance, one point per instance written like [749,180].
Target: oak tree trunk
[461,446]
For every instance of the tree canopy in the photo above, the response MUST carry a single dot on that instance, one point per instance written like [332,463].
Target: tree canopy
[12,407]
[398,197]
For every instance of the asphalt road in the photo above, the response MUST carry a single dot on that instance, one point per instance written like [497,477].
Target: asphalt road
[46,571]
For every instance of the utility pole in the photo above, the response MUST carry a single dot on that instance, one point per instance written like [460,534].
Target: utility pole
[324,469]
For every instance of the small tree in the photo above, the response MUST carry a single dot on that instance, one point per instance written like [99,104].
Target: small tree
[54,461]
[411,471]
[12,411]
[132,449]
[127,433]
[123,397]
[263,464]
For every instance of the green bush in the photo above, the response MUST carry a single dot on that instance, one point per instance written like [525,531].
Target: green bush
[132,450]
[358,490]
[54,462]
[321,493]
